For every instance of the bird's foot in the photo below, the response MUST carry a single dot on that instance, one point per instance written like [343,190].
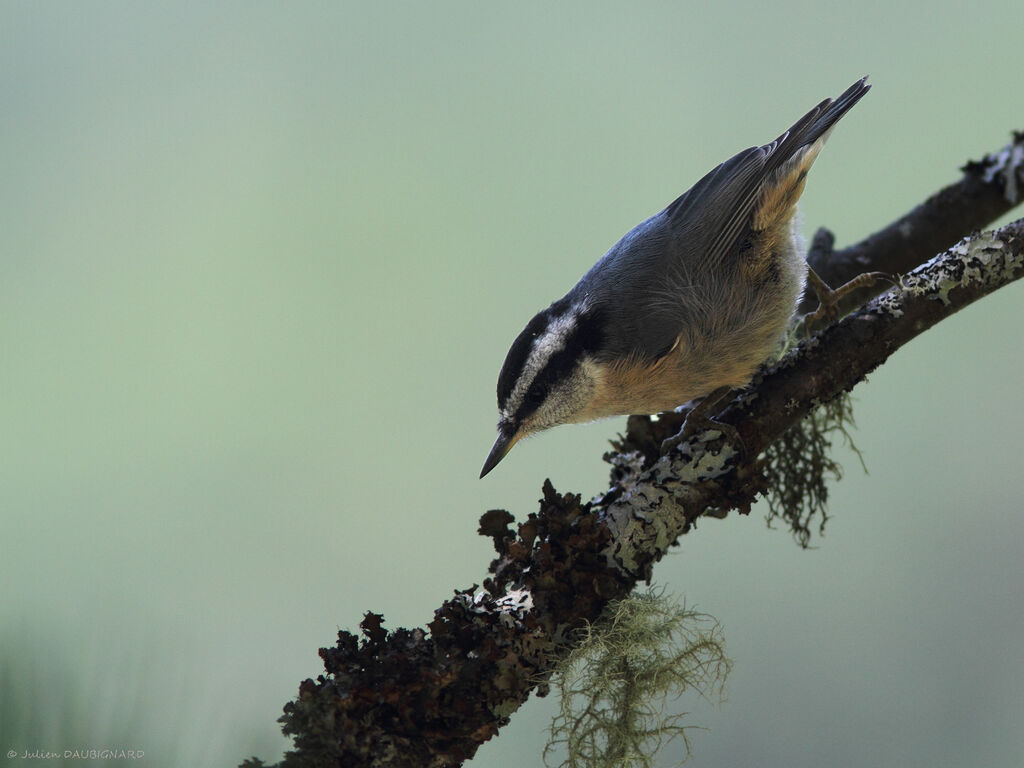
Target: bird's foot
[699,419]
[829,298]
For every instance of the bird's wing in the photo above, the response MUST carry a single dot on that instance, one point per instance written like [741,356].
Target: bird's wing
[687,244]
[716,213]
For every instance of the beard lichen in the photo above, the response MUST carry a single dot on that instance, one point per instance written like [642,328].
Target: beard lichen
[798,467]
[616,685]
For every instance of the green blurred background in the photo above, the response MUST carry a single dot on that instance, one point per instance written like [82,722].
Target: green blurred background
[260,264]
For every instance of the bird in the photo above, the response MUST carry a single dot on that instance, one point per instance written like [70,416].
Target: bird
[688,304]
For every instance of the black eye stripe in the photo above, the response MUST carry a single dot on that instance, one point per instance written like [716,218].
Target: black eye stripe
[585,337]
[534,397]
[560,365]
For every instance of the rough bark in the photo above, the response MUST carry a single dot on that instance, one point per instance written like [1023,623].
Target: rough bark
[431,697]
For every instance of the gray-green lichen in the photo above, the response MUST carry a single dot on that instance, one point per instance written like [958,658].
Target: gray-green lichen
[983,260]
[618,682]
[1007,163]
[651,513]
[799,466]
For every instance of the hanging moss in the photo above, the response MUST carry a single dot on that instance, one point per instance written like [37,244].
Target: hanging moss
[619,681]
[798,467]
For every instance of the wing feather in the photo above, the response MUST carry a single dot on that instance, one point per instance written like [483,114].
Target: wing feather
[724,200]
[684,242]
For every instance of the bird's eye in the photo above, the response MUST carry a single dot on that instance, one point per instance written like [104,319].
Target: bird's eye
[535,396]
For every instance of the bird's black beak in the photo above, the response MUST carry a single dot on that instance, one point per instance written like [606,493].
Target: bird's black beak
[500,450]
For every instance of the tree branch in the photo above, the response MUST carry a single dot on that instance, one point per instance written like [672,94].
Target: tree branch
[989,188]
[409,698]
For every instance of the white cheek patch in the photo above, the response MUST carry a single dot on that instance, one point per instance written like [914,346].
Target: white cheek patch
[544,347]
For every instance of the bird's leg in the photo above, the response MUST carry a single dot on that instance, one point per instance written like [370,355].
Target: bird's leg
[829,298]
[699,418]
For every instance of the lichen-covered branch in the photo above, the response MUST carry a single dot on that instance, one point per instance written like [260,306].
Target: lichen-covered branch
[430,697]
[662,500]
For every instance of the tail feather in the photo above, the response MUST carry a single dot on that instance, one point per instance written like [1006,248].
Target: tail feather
[722,204]
[820,120]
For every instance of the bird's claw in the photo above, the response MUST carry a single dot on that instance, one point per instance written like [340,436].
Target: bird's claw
[699,420]
[829,298]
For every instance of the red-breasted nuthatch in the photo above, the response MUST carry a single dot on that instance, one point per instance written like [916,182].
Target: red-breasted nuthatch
[688,303]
